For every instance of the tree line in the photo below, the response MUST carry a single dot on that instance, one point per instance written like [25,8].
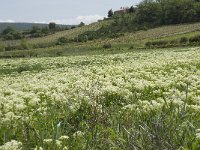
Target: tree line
[145,15]
[11,33]
[160,12]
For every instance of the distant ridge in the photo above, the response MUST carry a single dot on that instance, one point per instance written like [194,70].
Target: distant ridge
[26,26]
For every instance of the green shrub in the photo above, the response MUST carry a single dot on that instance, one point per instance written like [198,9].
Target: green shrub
[107,46]
[18,35]
[173,42]
[20,69]
[8,48]
[24,44]
[62,40]
[159,43]
[2,47]
[183,40]
[195,39]
[148,44]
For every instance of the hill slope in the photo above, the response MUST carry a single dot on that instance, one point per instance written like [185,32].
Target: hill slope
[128,41]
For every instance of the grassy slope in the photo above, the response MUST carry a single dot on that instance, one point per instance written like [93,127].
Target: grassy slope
[67,33]
[160,32]
[134,40]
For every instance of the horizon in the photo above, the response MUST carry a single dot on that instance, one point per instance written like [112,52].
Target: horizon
[60,11]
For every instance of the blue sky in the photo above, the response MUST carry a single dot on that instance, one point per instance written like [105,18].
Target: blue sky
[60,11]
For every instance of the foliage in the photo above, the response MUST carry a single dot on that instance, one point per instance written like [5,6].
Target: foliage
[10,34]
[81,24]
[132,9]
[149,14]
[63,40]
[107,46]
[2,47]
[183,41]
[39,32]
[24,44]
[110,13]
[52,26]
[102,33]
[195,39]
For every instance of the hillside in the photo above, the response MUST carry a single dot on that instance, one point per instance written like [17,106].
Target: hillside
[143,26]
[25,26]
[46,46]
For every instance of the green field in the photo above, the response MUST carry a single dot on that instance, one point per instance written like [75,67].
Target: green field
[144,99]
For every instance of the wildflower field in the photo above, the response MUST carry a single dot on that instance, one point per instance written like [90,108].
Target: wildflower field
[137,100]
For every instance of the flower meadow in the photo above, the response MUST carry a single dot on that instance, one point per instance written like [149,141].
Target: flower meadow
[135,100]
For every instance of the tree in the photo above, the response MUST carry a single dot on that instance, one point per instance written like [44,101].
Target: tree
[131,9]
[18,35]
[34,29]
[149,13]
[176,11]
[45,30]
[52,25]
[8,30]
[81,24]
[110,13]
[73,27]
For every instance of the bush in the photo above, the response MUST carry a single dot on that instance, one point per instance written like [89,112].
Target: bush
[73,27]
[159,43]
[2,47]
[20,69]
[173,42]
[195,39]
[183,40]
[148,44]
[8,36]
[24,44]
[18,35]
[8,48]
[107,46]
[62,40]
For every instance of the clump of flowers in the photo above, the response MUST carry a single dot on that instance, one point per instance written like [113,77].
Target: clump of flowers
[12,145]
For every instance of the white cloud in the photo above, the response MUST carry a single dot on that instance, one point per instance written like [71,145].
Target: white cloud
[73,21]
[86,19]
[7,20]
[43,22]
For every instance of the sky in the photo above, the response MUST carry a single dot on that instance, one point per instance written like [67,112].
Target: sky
[59,11]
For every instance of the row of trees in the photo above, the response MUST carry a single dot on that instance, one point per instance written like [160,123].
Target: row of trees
[160,12]
[11,34]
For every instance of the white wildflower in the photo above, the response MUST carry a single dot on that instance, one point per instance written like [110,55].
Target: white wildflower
[12,145]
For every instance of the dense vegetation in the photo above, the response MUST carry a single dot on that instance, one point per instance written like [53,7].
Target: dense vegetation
[146,15]
[10,33]
[183,41]
[149,14]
